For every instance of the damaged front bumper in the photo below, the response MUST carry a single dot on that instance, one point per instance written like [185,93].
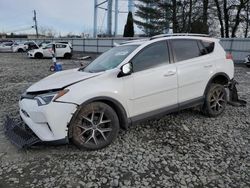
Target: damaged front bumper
[19,134]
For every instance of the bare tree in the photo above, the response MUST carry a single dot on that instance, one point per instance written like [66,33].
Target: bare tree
[239,8]
[246,19]
[229,13]
[47,31]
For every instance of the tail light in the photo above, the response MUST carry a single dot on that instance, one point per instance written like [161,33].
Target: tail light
[229,56]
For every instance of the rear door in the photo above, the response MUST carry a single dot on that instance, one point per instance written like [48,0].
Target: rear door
[194,68]
[60,50]
[153,84]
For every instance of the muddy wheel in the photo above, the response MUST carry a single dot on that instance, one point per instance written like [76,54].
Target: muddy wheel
[215,100]
[95,126]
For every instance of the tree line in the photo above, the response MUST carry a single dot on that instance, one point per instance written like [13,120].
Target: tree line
[226,18]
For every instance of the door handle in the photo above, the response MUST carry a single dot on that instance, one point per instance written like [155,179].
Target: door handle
[170,73]
[208,66]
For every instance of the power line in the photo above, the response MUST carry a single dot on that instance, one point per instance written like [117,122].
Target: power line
[21,29]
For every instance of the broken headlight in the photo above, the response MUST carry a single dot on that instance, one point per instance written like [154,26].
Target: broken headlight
[45,99]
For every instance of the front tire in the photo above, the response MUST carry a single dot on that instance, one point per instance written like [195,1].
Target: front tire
[95,126]
[20,50]
[215,100]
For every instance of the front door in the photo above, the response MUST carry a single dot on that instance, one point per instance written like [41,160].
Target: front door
[47,50]
[154,80]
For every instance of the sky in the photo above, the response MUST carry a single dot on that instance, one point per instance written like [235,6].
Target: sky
[64,16]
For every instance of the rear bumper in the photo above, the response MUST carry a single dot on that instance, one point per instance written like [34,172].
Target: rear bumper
[233,98]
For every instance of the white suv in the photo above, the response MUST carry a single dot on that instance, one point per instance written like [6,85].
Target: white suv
[62,50]
[131,82]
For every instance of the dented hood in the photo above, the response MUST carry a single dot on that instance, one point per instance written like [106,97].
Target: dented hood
[61,79]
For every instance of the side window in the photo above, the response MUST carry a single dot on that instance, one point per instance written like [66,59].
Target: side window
[185,49]
[152,56]
[48,46]
[8,44]
[60,46]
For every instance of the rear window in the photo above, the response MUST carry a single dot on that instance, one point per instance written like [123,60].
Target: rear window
[185,49]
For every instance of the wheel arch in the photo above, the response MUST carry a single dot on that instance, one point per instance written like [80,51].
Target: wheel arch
[113,103]
[219,78]
[20,50]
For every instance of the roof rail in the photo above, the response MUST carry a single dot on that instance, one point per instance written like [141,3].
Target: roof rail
[131,41]
[179,34]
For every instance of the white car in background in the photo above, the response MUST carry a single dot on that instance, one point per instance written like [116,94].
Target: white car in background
[6,46]
[62,50]
[24,46]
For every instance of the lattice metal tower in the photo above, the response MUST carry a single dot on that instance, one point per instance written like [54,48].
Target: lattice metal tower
[109,9]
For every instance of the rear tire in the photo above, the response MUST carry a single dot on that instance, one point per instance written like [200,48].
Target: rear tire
[215,100]
[38,55]
[95,126]
[67,56]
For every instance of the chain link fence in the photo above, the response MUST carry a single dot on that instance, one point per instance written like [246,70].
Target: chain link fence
[238,47]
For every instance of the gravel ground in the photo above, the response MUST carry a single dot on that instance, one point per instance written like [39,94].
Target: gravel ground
[183,149]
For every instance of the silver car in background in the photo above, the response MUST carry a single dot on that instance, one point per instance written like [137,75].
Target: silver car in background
[6,46]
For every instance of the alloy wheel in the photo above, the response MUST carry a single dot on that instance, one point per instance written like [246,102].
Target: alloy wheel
[94,128]
[217,100]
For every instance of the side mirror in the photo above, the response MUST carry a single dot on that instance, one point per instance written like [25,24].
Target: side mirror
[126,70]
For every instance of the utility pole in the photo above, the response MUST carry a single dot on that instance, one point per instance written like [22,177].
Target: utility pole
[35,20]
[109,17]
[95,19]
[116,17]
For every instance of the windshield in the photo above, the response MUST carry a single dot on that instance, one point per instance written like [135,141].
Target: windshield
[110,59]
